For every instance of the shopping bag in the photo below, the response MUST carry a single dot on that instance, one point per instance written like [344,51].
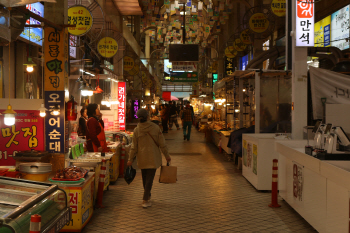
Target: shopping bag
[129,174]
[168,174]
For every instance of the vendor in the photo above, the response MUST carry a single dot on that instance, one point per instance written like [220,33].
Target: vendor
[82,122]
[95,135]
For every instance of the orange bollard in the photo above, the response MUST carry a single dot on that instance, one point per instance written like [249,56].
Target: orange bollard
[122,161]
[101,185]
[274,190]
[35,224]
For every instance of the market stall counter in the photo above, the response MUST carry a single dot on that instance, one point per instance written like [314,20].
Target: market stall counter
[219,136]
[19,199]
[80,198]
[319,190]
[258,153]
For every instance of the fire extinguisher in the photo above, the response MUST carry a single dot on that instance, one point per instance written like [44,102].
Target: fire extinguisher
[71,109]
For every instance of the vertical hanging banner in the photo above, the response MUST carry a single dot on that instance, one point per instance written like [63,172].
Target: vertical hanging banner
[54,124]
[26,134]
[56,61]
[121,107]
[305,23]
[229,69]
[136,106]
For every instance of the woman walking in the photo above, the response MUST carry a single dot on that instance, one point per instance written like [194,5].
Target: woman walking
[147,143]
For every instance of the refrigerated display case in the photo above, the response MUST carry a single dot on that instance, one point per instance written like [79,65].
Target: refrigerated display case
[19,199]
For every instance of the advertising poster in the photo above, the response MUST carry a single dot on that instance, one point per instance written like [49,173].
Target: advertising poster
[31,34]
[255,159]
[249,155]
[340,28]
[244,152]
[26,134]
[298,182]
[323,33]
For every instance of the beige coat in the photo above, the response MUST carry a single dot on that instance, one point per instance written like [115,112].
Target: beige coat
[145,149]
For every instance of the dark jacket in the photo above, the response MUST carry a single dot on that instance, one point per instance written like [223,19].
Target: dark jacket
[82,126]
[173,110]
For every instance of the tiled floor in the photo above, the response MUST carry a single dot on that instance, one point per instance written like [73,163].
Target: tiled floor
[211,195]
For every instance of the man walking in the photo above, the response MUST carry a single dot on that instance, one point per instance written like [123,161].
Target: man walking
[187,118]
[173,116]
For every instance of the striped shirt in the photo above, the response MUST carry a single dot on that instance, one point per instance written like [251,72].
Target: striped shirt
[187,114]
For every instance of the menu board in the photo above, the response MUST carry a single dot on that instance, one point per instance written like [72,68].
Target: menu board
[340,28]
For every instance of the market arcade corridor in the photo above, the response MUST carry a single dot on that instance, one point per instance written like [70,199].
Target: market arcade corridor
[211,195]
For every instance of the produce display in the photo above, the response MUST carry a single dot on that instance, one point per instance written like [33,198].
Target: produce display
[70,173]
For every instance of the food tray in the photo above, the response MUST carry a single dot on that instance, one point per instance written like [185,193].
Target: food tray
[61,179]
[67,182]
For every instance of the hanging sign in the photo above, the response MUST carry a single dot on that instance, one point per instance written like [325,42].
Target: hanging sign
[323,32]
[278,7]
[245,38]
[184,66]
[121,106]
[229,69]
[136,106]
[31,34]
[305,23]
[183,76]
[56,59]
[54,125]
[259,23]
[230,52]
[107,47]
[26,134]
[135,70]
[82,18]
[239,45]
[128,63]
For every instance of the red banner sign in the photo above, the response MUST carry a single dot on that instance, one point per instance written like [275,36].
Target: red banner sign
[121,106]
[26,134]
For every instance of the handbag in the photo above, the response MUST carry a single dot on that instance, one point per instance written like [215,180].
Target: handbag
[168,174]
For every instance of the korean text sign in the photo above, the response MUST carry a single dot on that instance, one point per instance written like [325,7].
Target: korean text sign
[56,59]
[229,69]
[54,124]
[121,106]
[305,11]
[136,106]
[34,34]
[26,134]
[82,18]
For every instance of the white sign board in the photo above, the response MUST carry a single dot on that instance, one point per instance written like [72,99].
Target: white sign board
[72,46]
[305,23]
[340,28]
[184,66]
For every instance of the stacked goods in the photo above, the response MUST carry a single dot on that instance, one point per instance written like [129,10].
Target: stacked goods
[71,173]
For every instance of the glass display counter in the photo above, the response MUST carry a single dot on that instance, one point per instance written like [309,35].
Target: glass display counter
[19,199]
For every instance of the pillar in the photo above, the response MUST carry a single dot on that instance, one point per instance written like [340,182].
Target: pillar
[299,82]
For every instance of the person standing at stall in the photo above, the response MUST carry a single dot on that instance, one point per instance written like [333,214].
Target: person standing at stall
[82,122]
[173,115]
[187,118]
[165,118]
[148,142]
[95,134]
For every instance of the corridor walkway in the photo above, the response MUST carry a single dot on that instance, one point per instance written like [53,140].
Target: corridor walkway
[211,195]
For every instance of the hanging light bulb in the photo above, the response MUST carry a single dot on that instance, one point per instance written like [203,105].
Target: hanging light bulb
[30,65]
[9,116]
[56,110]
[89,91]
[244,90]
[42,110]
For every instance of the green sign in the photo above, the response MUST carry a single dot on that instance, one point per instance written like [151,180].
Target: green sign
[184,76]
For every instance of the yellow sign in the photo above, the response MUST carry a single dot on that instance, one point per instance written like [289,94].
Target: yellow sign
[230,52]
[82,18]
[278,7]
[135,70]
[320,37]
[239,45]
[258,23]
[80,199]
[1,67]
[128,63]
[255,149]
[56,59]
[107,47]
[245,38]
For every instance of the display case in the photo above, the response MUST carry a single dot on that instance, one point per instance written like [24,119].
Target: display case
[19,199]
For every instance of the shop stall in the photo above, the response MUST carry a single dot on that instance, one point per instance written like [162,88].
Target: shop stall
[317,189]
[19,199]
